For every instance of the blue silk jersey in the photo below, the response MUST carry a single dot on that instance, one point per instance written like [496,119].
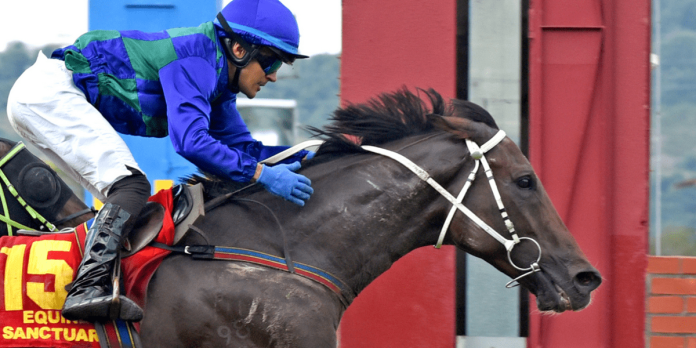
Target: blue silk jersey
[172,83]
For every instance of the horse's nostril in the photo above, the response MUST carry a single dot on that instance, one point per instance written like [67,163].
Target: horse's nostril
[589,280]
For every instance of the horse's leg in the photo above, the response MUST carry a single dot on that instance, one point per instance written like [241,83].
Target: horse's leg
[230,304]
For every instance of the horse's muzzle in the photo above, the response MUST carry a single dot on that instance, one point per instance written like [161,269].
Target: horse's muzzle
[560,296]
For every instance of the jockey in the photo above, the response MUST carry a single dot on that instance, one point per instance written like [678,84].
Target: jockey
[180,82]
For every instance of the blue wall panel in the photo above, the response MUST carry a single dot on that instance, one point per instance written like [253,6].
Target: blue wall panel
[150,15]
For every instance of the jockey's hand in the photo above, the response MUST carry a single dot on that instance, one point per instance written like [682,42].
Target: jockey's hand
[281,180]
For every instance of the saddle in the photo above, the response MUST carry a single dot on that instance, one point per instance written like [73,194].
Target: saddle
[188,207]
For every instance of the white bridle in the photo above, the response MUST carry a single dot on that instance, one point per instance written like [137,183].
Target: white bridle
[477,153]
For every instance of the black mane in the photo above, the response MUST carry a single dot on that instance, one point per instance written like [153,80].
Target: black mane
[393,116]
[388,117]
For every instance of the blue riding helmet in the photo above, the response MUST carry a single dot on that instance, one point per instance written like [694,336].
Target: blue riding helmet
[262,23]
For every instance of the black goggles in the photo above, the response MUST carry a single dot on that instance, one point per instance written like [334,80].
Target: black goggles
[269,63]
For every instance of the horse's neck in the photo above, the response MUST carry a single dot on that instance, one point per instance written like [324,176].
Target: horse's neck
[369,210]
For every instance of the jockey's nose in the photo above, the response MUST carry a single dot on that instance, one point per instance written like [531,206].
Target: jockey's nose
[272,77]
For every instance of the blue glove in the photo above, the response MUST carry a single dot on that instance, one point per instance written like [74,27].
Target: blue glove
[281,180]
[309,155]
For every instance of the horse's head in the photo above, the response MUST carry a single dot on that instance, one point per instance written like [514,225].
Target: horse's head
[564,277]
[51,202]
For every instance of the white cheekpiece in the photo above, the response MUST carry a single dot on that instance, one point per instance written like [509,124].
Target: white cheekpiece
[47,110]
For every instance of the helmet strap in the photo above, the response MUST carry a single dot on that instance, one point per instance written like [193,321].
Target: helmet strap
[228,44]
[250,51]
[233,85]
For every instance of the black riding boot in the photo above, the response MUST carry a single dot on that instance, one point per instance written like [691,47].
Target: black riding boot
[91,295]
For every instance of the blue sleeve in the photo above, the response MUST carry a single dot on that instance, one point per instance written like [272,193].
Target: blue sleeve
[227,125]
[188,85]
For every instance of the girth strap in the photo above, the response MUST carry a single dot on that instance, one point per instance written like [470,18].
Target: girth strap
[198,252]
[117,334]
[216,252]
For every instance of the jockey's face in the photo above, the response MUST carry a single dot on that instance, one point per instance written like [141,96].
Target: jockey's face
[252,77]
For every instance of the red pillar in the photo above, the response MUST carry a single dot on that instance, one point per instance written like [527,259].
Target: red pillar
[388,44]
[589,142]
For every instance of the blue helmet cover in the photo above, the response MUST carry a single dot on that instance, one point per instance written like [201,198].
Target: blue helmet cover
[264,22]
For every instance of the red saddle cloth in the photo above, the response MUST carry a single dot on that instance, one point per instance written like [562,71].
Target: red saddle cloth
[35,270]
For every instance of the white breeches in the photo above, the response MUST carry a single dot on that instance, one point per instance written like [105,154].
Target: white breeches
[47,110]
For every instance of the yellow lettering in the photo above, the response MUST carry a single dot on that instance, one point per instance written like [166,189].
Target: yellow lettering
[40,317]
[43,332]
[19,334]
[93,337]
[28,317]
[7,332]
[53,320]
[57,331]
[13,276]
[82,335]
[67,336]
[39,264]
[32,332]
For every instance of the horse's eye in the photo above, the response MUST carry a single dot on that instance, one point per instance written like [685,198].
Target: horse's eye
[525,182]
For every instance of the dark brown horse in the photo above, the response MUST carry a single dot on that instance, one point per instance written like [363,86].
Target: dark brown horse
[39,186]
[367,211]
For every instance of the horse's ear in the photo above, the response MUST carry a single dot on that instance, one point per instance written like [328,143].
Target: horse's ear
[461,127]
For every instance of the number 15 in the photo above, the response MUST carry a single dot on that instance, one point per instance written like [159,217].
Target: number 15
[39,264]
